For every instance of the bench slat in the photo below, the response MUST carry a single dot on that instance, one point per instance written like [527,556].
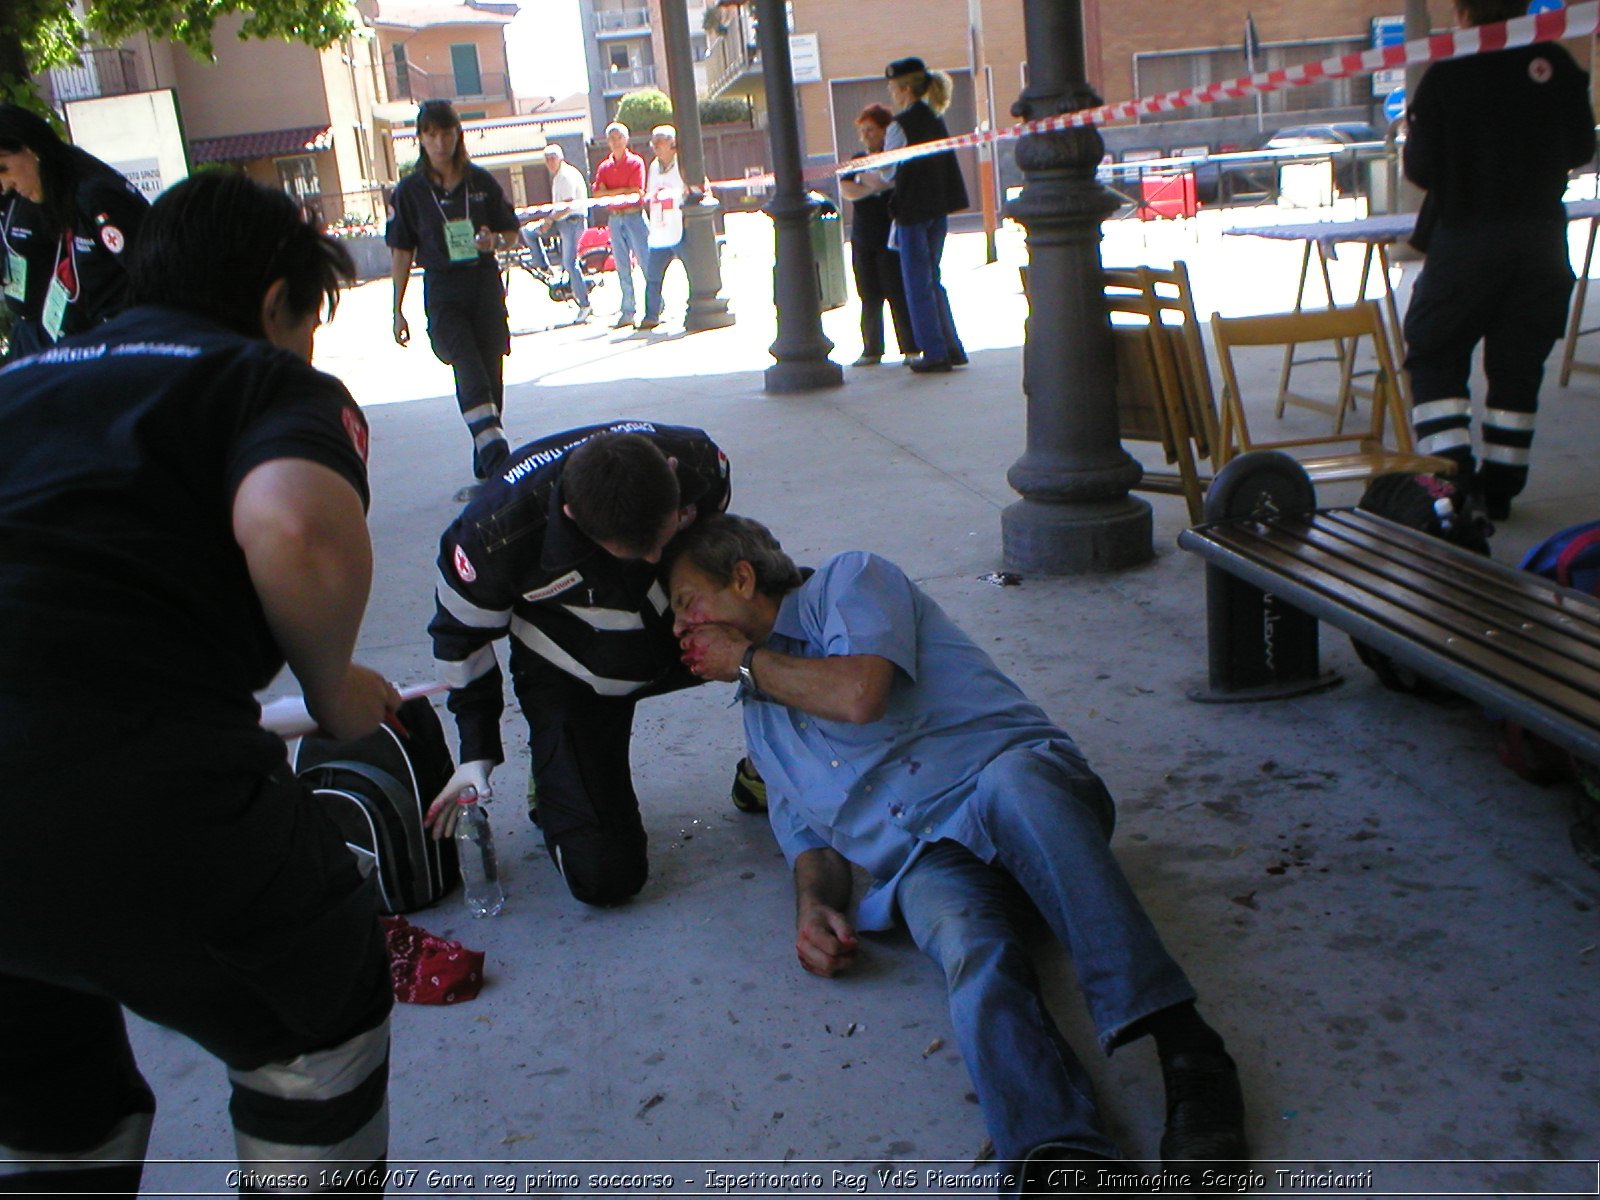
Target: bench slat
[1482,576]
[1556,695]
[1525,614]
[1424,615]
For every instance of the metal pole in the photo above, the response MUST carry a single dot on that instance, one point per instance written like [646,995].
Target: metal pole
[801,349]
[707,308]
[1075,515]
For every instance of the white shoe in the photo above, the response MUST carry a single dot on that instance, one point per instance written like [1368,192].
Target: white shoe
[583,313]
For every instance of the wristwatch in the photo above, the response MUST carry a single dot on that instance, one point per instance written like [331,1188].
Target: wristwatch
[747,675]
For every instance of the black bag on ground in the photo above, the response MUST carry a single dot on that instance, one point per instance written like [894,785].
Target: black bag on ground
[1414,501]
[377,790]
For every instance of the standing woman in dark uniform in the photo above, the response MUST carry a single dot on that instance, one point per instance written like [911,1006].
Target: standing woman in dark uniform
[451,217]
[926,191]
[65,220]
[876,267]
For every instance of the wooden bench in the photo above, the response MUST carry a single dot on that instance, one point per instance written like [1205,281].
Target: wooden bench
[1518,644]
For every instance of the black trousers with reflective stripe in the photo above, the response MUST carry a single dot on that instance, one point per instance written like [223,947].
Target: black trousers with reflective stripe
[1507,286]
[469,328]
[223,906]
[587,807]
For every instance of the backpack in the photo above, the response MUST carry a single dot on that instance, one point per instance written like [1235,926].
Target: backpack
[1413,501]
[1570,558]
[377,790]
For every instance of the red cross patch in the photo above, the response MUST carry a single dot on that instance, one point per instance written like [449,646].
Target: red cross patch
[463,565]
[1540,70]
[356,427]
[113,238]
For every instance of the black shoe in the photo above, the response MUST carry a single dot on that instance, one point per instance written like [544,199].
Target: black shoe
[1205,1113]
[927,366]
[648,323]
[958,358]
[1497,508]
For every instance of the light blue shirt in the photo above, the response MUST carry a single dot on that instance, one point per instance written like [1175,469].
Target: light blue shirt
[894,138]
[879,792]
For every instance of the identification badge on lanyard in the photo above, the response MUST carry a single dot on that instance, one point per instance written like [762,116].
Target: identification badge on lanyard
[460,240]
[55,308]
[16,276]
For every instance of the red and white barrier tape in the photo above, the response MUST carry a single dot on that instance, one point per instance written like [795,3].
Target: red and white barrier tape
[1579,20]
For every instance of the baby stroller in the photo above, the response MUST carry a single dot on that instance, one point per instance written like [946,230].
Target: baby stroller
[539,254]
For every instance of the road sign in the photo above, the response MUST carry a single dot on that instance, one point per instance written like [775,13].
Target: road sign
[1394,104]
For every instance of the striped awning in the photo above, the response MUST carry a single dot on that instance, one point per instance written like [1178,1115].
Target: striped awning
[275,143]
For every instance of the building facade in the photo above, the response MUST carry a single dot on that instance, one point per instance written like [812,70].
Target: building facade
[435,50]
[624,50]
[1133,48]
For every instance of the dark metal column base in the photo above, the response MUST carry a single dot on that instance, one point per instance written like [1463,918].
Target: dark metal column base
[1267,691]
[799,375]
[1078,538]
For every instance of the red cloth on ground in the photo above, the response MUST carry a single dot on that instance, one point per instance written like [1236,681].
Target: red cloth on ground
[428,969]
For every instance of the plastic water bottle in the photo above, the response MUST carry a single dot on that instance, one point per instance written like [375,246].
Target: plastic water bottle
[1445,513]
[480,874]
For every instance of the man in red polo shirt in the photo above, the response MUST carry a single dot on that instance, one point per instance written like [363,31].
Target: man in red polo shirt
[622,172]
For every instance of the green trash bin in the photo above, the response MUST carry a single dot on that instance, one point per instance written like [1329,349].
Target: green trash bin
[827,248]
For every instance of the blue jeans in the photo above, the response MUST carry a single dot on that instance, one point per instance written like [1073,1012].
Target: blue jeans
[570,229]
[629,238]
[921,245]
[1048,820]
[655,274]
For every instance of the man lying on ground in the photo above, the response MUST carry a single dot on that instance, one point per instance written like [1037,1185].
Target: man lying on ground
[888,739]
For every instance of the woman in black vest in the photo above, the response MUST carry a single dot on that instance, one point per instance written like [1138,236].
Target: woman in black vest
[926,191]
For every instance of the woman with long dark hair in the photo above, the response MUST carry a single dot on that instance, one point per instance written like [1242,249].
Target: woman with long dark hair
[450,216]
[65,220]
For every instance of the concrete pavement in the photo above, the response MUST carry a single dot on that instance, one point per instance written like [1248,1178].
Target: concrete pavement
[1391,930]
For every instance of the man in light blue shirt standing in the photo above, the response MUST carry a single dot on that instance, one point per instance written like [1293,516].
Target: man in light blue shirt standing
[888,739]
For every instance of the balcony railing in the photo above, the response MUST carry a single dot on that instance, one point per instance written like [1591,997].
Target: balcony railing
[621,20]
[732,52]
[625,79]
[413,83]
[100,73]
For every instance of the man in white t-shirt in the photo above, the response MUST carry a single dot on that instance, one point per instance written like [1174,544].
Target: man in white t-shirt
[569,193]
[664,195]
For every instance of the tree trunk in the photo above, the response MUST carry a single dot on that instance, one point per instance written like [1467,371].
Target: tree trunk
[13,58]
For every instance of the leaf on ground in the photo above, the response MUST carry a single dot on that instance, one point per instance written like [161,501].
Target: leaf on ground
[654,1100]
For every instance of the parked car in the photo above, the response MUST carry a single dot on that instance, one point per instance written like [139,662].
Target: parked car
[1346,171]
[1218,183]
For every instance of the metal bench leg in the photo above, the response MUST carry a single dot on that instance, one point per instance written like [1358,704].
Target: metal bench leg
[1260,648]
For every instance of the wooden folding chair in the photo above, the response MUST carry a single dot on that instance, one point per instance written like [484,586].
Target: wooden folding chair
[1163,388]
[1384,446]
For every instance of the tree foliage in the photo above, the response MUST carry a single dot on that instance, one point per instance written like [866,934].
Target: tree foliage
[644,109]
[38,34]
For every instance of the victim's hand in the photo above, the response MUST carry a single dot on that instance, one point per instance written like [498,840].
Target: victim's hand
[713,651]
